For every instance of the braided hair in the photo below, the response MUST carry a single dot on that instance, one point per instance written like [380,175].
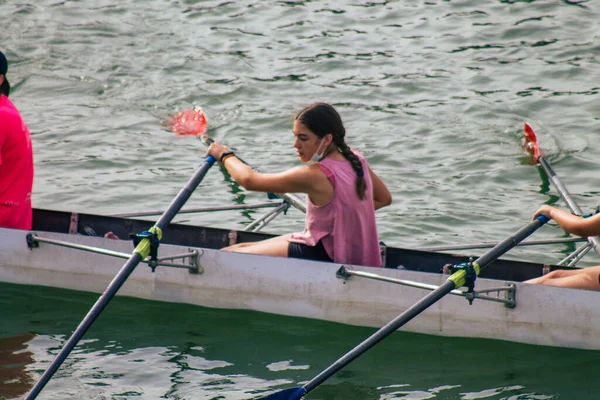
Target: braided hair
[323,119]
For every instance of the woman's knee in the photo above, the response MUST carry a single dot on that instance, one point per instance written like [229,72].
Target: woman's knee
[559,273]
[237,247]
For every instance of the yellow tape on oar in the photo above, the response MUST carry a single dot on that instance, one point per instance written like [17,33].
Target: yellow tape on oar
[460,277]
[144,247]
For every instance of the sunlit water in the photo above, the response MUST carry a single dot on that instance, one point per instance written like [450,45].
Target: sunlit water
[433,93]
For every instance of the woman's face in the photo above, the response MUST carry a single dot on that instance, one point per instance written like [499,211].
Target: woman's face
[306,142]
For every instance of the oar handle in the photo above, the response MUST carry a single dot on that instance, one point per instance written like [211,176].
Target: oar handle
[119,279]
[207,140]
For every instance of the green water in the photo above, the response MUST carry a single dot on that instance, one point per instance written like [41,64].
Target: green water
[145,349]
[434,93]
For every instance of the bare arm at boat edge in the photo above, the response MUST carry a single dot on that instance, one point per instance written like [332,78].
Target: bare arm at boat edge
[309,179]
[574,224]
[381,194]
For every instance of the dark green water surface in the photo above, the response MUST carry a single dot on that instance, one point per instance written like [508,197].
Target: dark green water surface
[151,350]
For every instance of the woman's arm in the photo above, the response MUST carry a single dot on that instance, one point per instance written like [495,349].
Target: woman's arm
[381,195]
[296,180]
[579,226]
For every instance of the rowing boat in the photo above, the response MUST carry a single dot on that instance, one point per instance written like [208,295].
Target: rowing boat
[68,250]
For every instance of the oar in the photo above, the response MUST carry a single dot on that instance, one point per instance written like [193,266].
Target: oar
[141,251]
[531,144]
[193,123]
[456,280]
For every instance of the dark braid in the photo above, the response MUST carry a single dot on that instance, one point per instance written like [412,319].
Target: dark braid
[360,184]
[323,119]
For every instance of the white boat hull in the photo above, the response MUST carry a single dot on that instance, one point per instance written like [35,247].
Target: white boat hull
[543,315]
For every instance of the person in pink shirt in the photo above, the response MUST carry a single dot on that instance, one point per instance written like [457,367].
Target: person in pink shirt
[16,160]
[342,191]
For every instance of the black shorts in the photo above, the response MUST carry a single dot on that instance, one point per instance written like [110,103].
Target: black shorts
[316,252]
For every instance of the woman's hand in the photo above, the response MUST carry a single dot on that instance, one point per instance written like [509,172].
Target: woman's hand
[574,224]
[216,150]
[544,210]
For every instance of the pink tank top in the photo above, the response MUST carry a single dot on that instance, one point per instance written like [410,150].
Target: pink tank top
[346,225]
[16,168]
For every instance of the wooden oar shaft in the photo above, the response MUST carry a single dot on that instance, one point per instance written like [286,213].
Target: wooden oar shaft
[119,280]
[424,303]
[567,198]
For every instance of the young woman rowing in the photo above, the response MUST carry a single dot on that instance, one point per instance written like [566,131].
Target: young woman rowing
[342,193]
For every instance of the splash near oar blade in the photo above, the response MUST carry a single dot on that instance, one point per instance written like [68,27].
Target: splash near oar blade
[188,123]
[530,144]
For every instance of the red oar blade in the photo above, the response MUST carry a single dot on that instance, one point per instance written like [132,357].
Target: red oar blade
[188,123]
[530,143]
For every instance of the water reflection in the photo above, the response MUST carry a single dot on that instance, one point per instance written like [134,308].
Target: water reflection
[150,350]
[15,380]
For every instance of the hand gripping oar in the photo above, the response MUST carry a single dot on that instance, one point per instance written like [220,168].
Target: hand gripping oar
[456,280]
[193,123]
[531,145]
[142,250]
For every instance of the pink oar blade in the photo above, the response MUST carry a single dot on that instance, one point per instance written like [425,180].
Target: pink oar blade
[188,123]
[530,143]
